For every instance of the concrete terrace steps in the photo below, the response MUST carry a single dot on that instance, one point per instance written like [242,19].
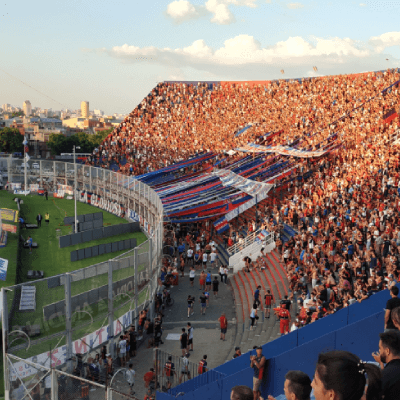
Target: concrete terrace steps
[275,277]
[280,264]
[272,282]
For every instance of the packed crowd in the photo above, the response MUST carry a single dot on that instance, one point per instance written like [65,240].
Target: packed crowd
[176,121]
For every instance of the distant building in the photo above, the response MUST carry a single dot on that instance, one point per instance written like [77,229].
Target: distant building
[6,107]
[27,108]
[98,113]
[85,109]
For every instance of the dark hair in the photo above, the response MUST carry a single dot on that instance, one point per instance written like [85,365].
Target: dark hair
[344,373]
[242,393]
[391,340]
[183,329]
[394,290]
[189,324]
[395,315]
[299,384]
[205,357]
[130,365]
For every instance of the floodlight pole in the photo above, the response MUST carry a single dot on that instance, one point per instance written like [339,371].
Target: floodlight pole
[26,166]
[76,221]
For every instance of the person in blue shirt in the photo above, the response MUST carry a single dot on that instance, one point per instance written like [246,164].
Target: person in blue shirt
[181,248]
[350,250]
[29,243]
[208,281]
[257,296]
[21,222]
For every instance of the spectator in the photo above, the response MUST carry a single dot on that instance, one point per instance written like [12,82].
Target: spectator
[342,375]
[392,303]
[257,362]
[297,386]
[238,353]
[389,354]
[395,315]
[241,393]
[202,365]
[223,325]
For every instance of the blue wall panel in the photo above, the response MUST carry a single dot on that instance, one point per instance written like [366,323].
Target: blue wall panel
[322,326]
[368,307]
[361,338]
[302,358]
[244,377]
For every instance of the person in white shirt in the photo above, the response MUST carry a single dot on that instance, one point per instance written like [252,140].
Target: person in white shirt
[130,378]
[191,275]
[222,272]
[226,274]
[204,259]
[122,350]
[190,256]
[213,259]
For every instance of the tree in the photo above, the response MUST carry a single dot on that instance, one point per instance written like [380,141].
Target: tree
[58,144]
[11,140]
[97,139]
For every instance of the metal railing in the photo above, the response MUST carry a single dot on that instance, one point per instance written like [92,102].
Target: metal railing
[80,311]
[247,241]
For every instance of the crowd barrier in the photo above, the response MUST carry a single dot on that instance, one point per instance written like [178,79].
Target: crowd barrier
[355,329]
[81,310]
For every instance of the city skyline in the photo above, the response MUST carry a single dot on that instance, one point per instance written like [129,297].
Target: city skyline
[113,56]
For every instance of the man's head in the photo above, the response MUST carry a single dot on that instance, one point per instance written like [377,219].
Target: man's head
[394,291]
[297,386]
[389,346]
[395,315]
[259,350]
[241,393]
[189,324]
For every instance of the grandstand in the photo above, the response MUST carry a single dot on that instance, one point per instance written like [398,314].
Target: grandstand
[295,135]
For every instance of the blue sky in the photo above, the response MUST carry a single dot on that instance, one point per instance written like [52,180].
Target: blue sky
[113,53]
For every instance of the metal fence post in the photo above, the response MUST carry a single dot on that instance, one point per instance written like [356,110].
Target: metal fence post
[110,309]
[68,325]
[136,260]
[4,321]
[54,385]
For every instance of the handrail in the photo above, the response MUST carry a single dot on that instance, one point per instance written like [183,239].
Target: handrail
[248,240]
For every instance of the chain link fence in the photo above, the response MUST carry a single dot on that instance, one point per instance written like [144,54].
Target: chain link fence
[173,371]
[89,381]
[69,318]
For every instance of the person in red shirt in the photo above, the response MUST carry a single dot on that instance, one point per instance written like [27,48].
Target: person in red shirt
[149,377]
[224,325]
[268,303]
[284,317]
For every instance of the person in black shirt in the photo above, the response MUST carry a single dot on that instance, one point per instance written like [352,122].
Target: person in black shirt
[215,286]
[389,354]
[203,303]
[190,301]
[385,247]
[390,305]
[183,340]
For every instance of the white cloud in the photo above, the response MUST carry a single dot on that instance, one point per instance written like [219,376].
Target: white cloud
[183,10]
[363,5]
[385,40]
[294,6]
[244,57]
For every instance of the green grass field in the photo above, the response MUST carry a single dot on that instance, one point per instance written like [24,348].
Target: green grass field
[54,261]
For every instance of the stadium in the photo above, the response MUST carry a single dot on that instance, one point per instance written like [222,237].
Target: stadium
[293,185]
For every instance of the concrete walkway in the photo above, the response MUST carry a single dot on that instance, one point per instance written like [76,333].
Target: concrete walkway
[206,331]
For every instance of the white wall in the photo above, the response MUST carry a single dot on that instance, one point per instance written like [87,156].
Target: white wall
[253,251]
